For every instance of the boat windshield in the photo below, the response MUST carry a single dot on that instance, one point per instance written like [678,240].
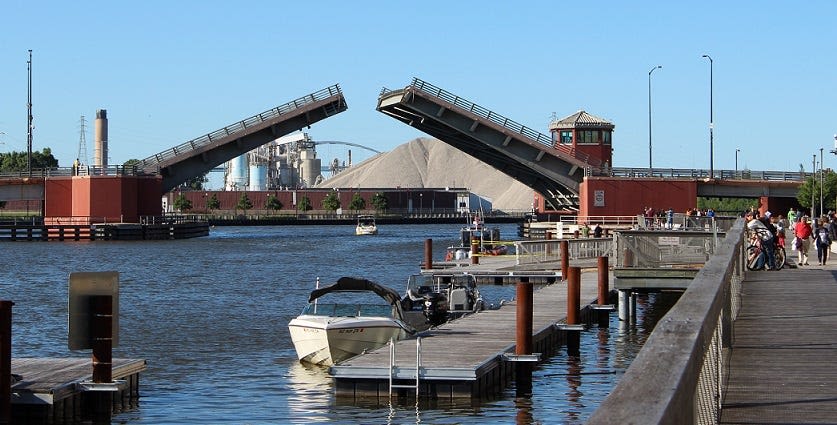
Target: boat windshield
[348,310]
[426,283]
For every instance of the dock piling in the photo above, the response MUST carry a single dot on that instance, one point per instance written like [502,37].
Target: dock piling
[573,309]
[604,291]
[428,254]
[565,259]
[475,247]
[523,346]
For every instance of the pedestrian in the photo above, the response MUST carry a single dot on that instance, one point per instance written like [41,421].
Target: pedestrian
[802,231]
[823,240]
[767,240]
[670,219]
[779,223]
[585,231]
[791,216]
[75,167]
[597,231]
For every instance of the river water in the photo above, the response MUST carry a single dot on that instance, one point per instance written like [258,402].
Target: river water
[210,316]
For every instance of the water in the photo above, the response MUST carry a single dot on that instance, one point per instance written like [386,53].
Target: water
[210,315]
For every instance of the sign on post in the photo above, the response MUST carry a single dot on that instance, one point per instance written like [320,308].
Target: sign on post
[83,285]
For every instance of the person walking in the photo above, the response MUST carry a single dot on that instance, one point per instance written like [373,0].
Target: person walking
[802,231]
[823,240]
[791,216]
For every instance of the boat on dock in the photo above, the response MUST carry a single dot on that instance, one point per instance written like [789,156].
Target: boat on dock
[488,241]
[442,297]
[366,225]
[328,333]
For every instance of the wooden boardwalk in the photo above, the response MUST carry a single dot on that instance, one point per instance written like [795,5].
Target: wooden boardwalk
[463,358]
[783,363]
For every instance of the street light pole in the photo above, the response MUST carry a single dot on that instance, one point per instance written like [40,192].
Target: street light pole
[29,125]
[649,115]
[813,176]
[711,120]
[821,173]
[736,160]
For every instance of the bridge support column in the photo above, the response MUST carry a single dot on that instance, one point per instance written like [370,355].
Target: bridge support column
[632,307]
[624,307]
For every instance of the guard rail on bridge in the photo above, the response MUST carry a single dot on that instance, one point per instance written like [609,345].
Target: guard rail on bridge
[678,375]
[199,155]
[695,173]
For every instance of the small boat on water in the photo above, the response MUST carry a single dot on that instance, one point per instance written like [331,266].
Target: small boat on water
[489,241]
[366,225]
[328,333]
[442,297]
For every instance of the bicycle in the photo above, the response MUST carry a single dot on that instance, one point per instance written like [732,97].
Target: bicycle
[756,256]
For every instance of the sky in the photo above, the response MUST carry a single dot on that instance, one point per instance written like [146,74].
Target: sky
[170,71]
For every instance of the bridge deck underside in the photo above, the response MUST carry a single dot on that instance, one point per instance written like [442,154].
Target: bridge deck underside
[531,163]
[196,161]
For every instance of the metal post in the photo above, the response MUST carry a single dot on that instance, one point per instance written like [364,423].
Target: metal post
[565,259]
[573,295]
[6,361]
[822,210]
[813,174]
[736,161]
[649,115]
[475,245]
[29,125]
[428,254]
[711,120]
[604,280]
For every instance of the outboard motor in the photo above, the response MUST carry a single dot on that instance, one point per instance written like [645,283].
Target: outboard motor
[435,309]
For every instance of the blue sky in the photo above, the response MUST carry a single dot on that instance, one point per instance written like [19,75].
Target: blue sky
[170,71]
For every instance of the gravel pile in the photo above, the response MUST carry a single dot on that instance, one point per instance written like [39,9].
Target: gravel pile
[428,162]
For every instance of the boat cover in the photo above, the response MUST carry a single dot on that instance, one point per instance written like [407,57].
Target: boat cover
[355,284]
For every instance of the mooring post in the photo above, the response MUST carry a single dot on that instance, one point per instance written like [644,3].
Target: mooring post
[604,291]
[101,309]
[573,310]
[475,247]
[523,342]
[428,254]
[565,259]
[547,238]
[6,361]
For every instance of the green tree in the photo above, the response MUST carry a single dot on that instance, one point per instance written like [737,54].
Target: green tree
[273,203]
[13,162]
[244,203]
[304,204]
[331,202]
[811,186]
[195,183]
[379,201]
[181,203]
[357,202]
[213,203]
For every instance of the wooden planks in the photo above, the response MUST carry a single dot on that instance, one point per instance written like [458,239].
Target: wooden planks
[465,349]
[51,379]
[783,362]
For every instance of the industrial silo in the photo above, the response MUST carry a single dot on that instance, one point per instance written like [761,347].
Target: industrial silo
[236,178]
[309,166]
[258,176]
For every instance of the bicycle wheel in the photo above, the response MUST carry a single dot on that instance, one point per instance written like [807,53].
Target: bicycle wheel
[753,255]
[780,257]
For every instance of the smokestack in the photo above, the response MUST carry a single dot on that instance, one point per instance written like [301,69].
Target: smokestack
[100,136]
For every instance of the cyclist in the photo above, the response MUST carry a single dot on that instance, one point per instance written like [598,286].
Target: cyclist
[766,237]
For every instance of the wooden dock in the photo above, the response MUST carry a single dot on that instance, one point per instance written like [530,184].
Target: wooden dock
[463,358]
[52,390]
[783,362]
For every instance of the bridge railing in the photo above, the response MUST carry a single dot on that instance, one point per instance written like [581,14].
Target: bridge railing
[694,173]
[513,126]
[241,126]
[678,375]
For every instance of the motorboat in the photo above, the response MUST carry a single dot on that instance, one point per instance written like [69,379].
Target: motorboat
[488,241]
[329,333]
[442,297]
[366,225]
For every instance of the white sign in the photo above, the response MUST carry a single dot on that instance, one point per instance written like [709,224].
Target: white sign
[668,240]
[598,198]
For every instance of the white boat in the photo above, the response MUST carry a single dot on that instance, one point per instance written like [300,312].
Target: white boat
[366,225]
[328,333]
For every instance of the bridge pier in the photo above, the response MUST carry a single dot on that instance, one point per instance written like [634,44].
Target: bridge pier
[627,305]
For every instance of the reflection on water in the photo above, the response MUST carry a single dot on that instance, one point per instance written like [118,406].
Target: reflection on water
[210,316]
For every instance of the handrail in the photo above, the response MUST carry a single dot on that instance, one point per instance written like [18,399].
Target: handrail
[696,173]
[678,375]
[534,135]
[242,125]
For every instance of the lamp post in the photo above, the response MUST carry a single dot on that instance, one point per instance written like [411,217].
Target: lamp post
[711,120]
[736,161]
[649,115]
[813,176]
[821,173]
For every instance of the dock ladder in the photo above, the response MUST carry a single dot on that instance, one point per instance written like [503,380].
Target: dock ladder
[393,368]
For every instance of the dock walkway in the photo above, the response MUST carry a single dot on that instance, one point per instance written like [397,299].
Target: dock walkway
[783,363]
[463,358]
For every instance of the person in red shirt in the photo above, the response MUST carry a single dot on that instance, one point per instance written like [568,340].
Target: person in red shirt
[803,233]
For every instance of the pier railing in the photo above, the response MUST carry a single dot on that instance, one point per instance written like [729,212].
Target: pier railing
[548,251]
[678,376]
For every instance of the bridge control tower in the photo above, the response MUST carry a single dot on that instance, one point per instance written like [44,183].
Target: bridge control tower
[585,133]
